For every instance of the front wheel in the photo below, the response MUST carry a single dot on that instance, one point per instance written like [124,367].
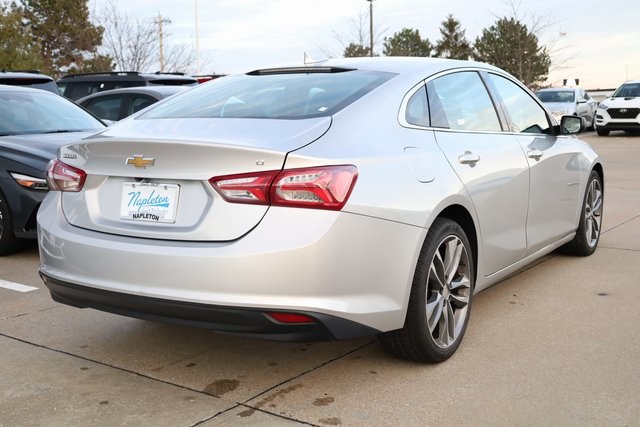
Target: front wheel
[588,234]
[440,300]
[602,132]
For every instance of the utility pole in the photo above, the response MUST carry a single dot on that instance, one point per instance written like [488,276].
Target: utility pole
[197,41]
[370,27]
[161,21]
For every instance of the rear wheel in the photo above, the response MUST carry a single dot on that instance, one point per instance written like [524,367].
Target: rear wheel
[588,234]
[440,300]
[8,241]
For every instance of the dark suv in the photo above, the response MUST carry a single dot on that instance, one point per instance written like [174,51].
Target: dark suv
[29,78]
[76,86]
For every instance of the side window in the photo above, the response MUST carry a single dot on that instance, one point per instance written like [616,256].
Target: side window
[106,108]
[417,109]
[460,101]
[524,113]
[138,102]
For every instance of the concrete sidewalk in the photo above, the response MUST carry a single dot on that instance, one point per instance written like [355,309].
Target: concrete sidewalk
[557,344]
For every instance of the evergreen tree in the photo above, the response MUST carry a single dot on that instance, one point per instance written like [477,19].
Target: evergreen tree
[355,50]
[67,38]
[17,48]
[453,42]
[407,42]
[510,45]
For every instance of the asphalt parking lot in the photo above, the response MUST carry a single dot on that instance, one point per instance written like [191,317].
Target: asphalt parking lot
[557,344]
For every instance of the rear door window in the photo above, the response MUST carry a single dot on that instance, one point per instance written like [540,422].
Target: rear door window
[460,101]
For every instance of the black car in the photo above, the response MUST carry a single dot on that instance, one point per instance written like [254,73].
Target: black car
[28,78]
[117,104]
[33,124]
[76,86]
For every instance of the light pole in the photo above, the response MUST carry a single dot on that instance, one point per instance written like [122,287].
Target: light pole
[370,27]
[197,41]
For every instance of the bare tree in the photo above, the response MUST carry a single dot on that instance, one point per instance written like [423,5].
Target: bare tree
[137,45]
[359,35]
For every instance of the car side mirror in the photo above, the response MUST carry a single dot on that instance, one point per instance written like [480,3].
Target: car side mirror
[571,125]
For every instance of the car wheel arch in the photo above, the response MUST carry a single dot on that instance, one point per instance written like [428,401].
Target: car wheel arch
[463,218]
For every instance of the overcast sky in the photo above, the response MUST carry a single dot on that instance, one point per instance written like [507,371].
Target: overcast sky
[593,40]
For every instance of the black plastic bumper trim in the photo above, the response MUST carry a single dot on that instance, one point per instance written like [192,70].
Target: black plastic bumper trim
[248,322]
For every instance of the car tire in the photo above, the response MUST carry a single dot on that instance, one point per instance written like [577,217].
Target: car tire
[592,127]
[8,241]
[589,229]
[440,300]
[603,132]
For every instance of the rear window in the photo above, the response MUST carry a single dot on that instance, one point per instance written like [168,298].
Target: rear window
[35,82]
[281,95]
[556,96]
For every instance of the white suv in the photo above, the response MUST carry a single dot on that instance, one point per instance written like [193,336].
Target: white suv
[621,111]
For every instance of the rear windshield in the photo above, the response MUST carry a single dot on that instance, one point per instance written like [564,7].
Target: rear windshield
[627,91]
[556,96]
[37,83]
[271,96]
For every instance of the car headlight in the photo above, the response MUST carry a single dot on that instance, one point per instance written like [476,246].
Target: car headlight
[30,182]
[603,106]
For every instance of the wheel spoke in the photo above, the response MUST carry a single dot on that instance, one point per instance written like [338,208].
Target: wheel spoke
[436,272]
[434,312]
[453,254]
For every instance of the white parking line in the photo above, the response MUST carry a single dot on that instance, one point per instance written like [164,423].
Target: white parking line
[16,286]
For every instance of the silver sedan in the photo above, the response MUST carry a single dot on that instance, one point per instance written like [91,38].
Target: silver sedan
[356,197]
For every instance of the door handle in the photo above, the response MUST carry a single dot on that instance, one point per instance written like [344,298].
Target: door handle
[535,154]
[469,158]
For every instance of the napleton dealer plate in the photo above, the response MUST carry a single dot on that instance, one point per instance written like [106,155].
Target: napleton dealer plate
[149,201]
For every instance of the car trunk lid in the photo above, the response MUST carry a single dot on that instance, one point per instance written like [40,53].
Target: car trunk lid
[147,179]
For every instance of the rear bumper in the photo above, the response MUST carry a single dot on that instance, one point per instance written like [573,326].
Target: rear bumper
[350,268]
[231,320]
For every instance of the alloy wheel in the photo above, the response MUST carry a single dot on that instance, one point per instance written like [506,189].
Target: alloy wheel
[448,291]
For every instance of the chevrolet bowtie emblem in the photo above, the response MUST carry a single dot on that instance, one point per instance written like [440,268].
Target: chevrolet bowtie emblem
[140,161]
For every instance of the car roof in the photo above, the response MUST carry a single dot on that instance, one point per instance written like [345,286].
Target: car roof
[157,91]
[36,75]
[392,64]
[125,75]
[558,89]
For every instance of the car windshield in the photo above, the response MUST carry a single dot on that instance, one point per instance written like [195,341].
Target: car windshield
[42,112]
[272,95]
[556,96]
[627,91]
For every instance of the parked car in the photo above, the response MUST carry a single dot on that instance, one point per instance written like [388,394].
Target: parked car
[620,111]
[76,86]
[29,78]
[349,198]
[571,101]
[116,104]
[33,124]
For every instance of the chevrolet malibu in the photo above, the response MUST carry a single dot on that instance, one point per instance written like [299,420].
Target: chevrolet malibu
[356,197]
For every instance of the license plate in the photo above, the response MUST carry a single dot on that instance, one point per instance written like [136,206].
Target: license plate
[149,201]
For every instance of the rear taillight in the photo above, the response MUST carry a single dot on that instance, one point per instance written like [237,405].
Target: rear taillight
[245,188]
[63,177]
[323,187]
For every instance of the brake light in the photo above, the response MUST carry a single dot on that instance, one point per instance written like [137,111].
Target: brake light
[245,188]
[63,177]
[322,187]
